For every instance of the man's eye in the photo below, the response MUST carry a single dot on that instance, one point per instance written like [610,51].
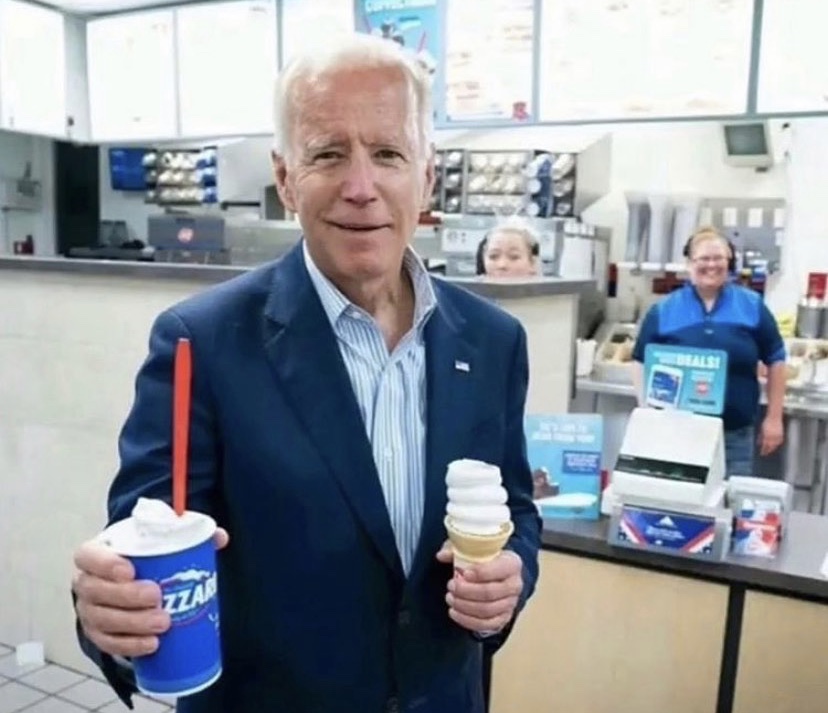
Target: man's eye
[327,156]
[388,154]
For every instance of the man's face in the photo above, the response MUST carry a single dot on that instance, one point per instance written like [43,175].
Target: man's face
[356,173]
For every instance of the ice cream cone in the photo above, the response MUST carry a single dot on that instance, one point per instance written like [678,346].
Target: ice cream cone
[470,549]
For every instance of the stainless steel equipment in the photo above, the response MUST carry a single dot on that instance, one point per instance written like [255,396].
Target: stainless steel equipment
[811,319]
[252,241]
[188,237]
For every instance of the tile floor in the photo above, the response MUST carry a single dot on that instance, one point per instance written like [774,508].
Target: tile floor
[54,689]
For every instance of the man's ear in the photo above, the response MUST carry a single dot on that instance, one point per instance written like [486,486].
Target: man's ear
[280,177]
[430,177]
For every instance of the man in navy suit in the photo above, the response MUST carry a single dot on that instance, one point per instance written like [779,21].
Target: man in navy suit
[330,391]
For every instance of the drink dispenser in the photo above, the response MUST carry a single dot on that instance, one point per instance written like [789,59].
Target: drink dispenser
[638,223]
[685,222]
[660,233]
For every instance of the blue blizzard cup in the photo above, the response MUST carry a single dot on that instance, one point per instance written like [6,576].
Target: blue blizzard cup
[183,563]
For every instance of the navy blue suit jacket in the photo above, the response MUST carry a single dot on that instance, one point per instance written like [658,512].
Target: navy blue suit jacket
[317,615]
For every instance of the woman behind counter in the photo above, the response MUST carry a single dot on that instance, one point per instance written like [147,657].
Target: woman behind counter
[711,313]
[509,250]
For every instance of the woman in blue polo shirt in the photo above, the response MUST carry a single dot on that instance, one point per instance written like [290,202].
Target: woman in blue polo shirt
[711,313]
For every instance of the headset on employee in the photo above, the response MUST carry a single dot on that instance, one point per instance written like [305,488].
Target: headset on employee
[731,261]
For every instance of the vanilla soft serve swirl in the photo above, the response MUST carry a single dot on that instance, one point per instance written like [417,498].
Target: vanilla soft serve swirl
[476,497]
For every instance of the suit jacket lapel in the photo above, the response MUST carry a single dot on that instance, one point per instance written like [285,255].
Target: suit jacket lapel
[305,357]
[452,381]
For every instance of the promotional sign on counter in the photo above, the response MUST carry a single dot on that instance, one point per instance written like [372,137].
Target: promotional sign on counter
[565,457]
[685,378]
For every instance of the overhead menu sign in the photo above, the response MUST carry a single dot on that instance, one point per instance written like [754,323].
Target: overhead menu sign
[614,59]
[414,25]
[793,72]
[227,63]
[489,60]
[32,68]
[308,24]
[130,67]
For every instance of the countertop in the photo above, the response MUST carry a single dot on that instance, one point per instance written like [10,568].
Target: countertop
[795,571]
[798,402]
[212,274]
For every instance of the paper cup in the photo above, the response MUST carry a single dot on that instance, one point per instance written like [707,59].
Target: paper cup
[188,658]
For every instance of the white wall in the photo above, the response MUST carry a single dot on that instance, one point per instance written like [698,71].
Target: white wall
[804,249]
[675,159]
[16,150]
[66,385]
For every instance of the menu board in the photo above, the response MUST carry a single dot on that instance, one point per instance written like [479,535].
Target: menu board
[614,59]
[227,62]
[130,61]
[413,25]
[307,25]
[793,71]
[32,69]
[489,60]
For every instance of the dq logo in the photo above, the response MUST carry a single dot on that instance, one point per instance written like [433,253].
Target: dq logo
[187,594]
[186,235]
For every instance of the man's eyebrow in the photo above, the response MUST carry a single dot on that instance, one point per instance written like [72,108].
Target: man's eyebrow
[322,142]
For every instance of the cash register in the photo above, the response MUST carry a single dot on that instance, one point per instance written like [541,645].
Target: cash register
[672,456]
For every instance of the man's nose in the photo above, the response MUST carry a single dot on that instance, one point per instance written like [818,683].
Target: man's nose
[359,184]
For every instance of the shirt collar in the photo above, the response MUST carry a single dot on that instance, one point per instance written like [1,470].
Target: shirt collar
[336,304]
[693,294]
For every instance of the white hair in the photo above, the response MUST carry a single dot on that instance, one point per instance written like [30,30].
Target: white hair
[354,52]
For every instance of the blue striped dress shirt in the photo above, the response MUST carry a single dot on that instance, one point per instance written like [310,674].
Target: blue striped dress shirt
[390,389]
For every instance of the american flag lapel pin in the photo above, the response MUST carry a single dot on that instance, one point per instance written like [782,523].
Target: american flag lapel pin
[461,366]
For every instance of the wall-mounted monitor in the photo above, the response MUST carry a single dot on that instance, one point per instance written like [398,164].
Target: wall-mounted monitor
[747,144]
[126,169]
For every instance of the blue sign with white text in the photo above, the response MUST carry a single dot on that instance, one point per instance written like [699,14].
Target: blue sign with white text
[685,378]
[564,453]
[412,24]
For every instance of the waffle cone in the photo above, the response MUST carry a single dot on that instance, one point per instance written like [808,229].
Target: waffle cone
[476,549]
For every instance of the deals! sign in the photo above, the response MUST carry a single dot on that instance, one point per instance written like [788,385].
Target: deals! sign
[685,378]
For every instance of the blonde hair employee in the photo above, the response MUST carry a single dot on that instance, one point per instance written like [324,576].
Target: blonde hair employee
[709,312]
[509,250]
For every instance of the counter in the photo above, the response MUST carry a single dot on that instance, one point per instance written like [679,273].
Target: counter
[212,274]
[72,336]
[546,306]
[613,629]
[802,460]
